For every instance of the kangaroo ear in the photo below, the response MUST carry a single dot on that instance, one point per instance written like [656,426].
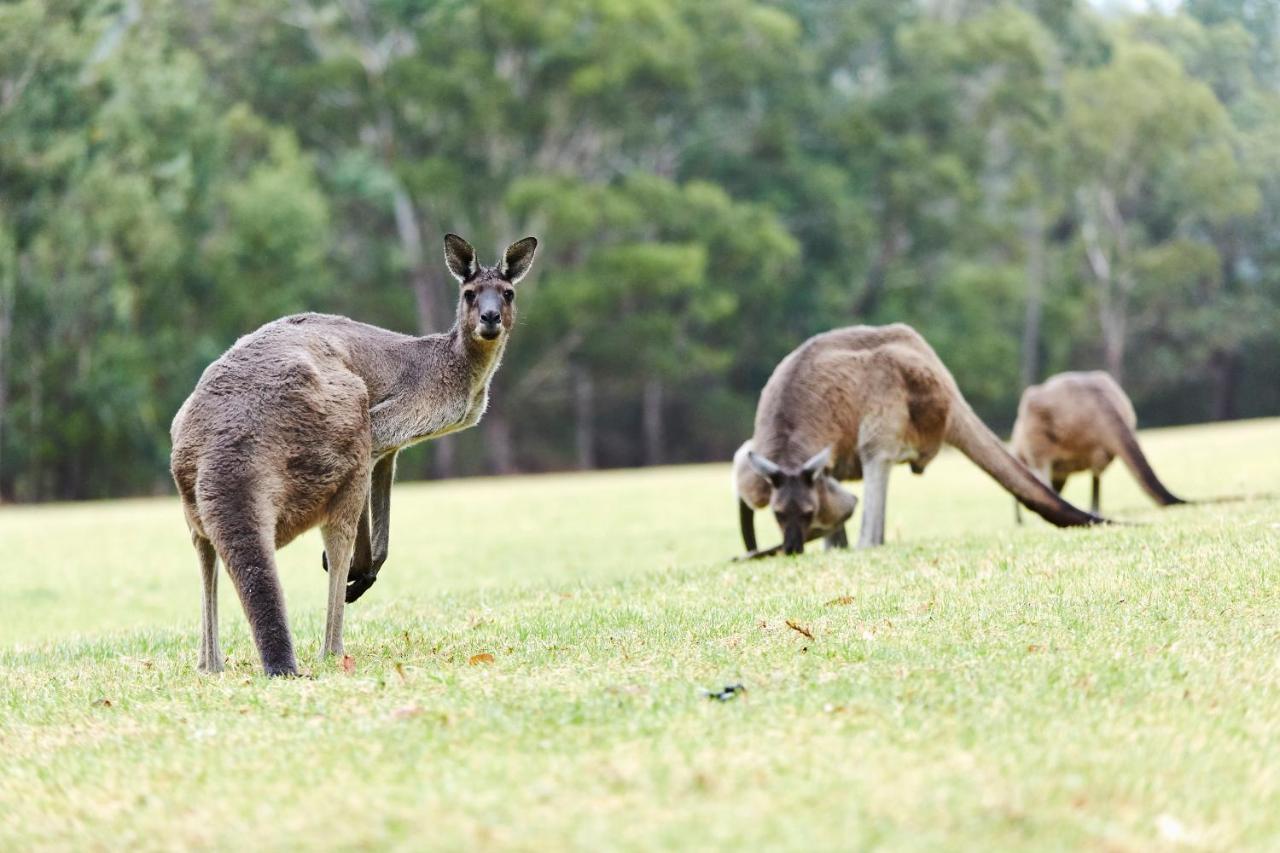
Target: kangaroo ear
[460,257]
[517,259]
[764,467]
[817,463]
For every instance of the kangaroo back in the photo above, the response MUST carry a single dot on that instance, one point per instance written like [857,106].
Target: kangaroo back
[1123,443]
[968,433]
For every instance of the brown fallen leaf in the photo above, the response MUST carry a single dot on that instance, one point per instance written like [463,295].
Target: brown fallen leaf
[404,712]
[348,664]
[799,628]
[842,601]
[483,657]
[630,689]
[103,703]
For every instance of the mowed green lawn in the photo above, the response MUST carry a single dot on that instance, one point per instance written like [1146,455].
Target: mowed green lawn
[971,685]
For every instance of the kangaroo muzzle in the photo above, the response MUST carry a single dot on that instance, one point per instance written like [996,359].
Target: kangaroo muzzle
[490,328]
[793,538]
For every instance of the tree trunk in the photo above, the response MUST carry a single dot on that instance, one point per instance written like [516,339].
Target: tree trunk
[427,280]
[1113,285]
[1030,369]
[584,410]
[1224,367]
[499,443]
[1113,324]
[35,427]
[888,249]
[6,328]
[652,422]
[444,465]
[428,286]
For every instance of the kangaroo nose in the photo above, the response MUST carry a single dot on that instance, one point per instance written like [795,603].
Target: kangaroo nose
[491,317]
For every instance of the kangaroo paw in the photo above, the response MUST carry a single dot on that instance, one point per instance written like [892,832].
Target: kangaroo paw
[358,585]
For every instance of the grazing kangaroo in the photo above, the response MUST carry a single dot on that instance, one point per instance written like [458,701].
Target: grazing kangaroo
[289,428]
[812,492]
[847,405]
[1080,422]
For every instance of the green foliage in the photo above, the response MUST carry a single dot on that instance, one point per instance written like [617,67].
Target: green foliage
[712,182]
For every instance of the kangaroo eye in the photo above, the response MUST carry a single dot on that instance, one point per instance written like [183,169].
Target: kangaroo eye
[509,295]
[469,295]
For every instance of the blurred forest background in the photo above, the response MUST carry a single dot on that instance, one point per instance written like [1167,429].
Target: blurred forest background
[1036,186]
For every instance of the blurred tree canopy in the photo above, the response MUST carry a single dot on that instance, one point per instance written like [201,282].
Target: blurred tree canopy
[1036,186]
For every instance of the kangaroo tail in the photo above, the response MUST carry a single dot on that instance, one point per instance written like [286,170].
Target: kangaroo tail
[1125,445]
[252,568]
[244,538]
[968,433]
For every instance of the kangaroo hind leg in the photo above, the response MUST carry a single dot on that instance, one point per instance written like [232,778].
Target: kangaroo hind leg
[210,659]
[339,532]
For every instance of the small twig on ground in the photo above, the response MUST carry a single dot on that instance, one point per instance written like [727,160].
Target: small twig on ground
[799,628]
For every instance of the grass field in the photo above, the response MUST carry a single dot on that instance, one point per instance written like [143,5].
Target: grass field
[973,685]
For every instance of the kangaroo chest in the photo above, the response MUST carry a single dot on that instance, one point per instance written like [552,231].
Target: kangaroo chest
[451,398]
[396,429]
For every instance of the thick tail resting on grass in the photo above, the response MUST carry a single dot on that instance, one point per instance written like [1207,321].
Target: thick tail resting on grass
[972,437]
[1125,445]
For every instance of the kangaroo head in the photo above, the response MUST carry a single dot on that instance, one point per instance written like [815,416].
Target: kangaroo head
[487,304]
[806,501]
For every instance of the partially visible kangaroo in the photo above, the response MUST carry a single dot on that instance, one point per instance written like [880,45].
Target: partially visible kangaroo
[848,404]
[1080,422]
[286,430]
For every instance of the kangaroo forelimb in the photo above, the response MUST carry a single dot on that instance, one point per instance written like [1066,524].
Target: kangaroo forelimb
[378,512]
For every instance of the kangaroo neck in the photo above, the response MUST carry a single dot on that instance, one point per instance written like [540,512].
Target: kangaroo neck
[478,359]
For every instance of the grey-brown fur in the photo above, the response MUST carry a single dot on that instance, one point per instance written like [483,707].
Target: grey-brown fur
[875,397]
[287,429]
[1081,421]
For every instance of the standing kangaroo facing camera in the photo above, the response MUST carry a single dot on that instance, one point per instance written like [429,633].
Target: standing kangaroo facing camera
[1080,422]
[297,426]
[848,405]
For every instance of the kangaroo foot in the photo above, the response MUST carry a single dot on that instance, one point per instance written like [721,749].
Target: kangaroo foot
[210,663]
[278,669]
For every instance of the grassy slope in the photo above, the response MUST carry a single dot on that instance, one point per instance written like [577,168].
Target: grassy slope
[983,684]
